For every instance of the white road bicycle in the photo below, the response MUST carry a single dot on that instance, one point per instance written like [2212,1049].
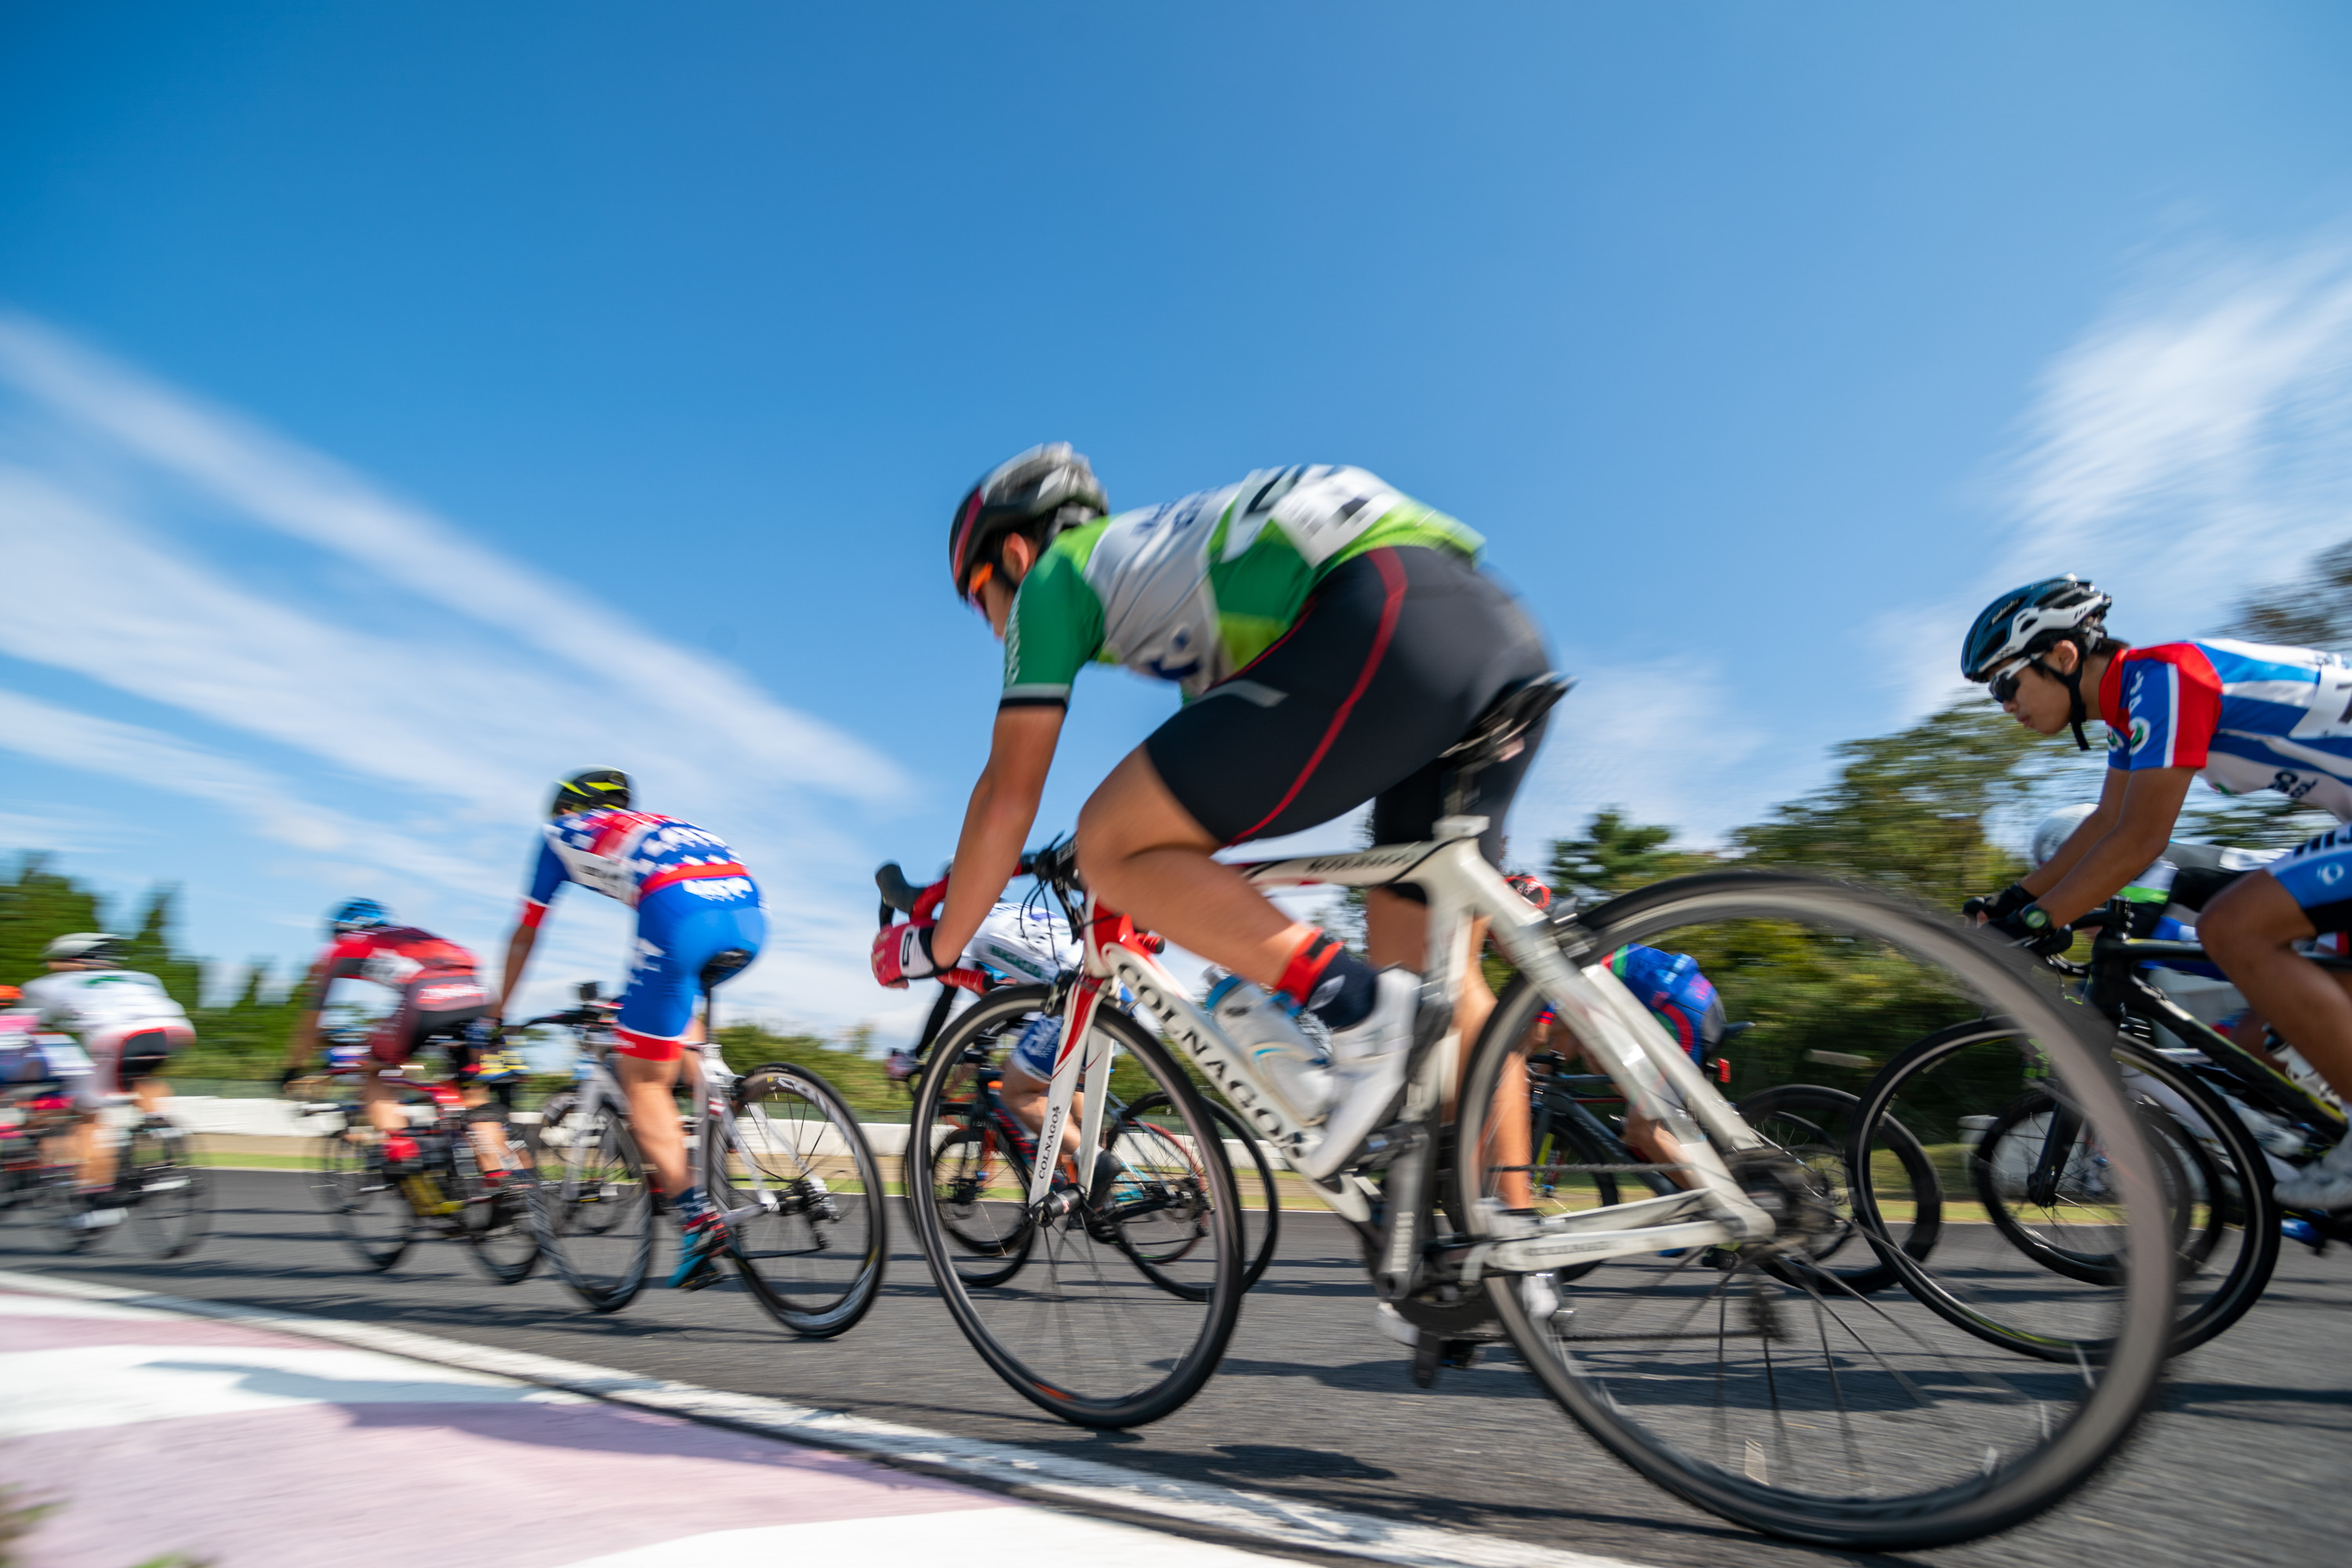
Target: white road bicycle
[1706,1352]
[779,1152]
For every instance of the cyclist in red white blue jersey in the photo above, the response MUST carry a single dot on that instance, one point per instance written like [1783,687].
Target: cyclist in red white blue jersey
[699,921]
[2243,716]
[1671,986]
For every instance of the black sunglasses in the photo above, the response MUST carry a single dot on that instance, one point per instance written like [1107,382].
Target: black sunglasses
[2003,686]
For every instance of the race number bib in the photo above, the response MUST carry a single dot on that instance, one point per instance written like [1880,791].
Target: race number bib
[1329,510]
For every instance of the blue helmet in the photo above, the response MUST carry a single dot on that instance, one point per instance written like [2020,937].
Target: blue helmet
[357,915]
[2027,620]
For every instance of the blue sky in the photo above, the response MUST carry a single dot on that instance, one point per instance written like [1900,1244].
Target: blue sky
[399,405]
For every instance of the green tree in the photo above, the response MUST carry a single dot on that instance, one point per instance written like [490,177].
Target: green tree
[1617,855]
[2311,609]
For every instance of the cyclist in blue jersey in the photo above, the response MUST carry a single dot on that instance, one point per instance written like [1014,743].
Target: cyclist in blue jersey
[699,921]
[2243,716]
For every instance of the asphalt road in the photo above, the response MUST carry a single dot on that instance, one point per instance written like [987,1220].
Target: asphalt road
[2248,1457]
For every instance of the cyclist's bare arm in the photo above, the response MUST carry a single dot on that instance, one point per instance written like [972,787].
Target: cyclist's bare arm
[996,824]
[2147,804]
[302,1040]
[518,948]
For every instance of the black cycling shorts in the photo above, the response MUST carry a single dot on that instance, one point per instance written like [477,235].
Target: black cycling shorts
[438,1005]
[1397,653]
[142,1055]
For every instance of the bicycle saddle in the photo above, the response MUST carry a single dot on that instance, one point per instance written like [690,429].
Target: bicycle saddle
[1496,734]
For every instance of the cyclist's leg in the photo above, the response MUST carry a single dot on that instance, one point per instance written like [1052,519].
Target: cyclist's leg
[678,931]
[94,1158]
[2251,928]
[1399,653]
[392,1045]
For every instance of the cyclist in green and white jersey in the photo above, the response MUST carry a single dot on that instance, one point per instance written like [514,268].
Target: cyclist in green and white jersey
[1332,638]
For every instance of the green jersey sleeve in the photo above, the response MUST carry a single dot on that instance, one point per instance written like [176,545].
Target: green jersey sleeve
[1055,629]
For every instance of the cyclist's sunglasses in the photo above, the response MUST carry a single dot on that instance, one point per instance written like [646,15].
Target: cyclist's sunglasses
[982,577]
[2003,686]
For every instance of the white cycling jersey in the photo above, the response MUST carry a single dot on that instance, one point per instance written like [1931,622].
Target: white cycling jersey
[1022,944]
[102,1007]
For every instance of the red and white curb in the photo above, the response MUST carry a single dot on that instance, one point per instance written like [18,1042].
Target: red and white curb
[220,1431]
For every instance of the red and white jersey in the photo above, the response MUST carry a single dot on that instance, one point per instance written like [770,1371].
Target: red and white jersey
[395,955]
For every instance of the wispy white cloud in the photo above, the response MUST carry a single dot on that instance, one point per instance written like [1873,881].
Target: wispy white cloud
[2195,441]
[1661,741]
[120,505]
[305,495]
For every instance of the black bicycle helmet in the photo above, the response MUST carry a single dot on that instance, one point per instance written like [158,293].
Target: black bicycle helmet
[1050,484]
[2026,623]
[591,789]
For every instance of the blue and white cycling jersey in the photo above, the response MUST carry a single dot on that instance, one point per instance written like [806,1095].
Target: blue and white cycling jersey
[2247,716]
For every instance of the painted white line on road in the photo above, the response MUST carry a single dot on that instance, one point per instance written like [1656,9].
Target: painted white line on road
[991,1538]
[1087,1484]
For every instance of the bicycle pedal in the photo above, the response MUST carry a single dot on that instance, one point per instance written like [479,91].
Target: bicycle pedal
[706,1274]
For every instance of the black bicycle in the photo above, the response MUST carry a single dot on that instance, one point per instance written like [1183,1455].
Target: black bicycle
[2038,1181]
[1580,1158]
[385,1192]
[159,1193]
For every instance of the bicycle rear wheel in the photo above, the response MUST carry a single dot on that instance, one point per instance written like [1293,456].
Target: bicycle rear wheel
[500,1221]
[596,1208]
[1082,1331]
[807,1213]
[1766,1390]
[363,1202]
[1994,1123]
[1261,1200]
[171,1206]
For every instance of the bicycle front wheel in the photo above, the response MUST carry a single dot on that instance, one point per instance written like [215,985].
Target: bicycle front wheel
[1084,1330]
[807,1217]
[2037,1181]
[1753,1383]
[595,1211]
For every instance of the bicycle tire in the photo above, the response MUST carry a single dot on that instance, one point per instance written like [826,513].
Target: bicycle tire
[1822,1110]
[1260,1235]
[363,1203]
[1887,1482]
[2206,1310]
[1106,1383]
[596,1220]
[171,1197]
[500,1223]
[794,1197]
[982,1257]
[51,1207]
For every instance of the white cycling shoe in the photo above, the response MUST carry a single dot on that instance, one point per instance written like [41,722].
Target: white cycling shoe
[1367,1076]
[2324,1185]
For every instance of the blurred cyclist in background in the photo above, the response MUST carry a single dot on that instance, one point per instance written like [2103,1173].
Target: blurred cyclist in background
[441,998]
[126,1024]
[699,921]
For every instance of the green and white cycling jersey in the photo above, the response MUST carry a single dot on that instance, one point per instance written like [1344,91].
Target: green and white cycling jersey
[1192,590]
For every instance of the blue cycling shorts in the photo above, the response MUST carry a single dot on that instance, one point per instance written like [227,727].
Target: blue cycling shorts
[2317,873]
[679,931]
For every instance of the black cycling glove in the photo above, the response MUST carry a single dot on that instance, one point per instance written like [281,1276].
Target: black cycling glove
[2034,930]
[2007,901]
[289,1076]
